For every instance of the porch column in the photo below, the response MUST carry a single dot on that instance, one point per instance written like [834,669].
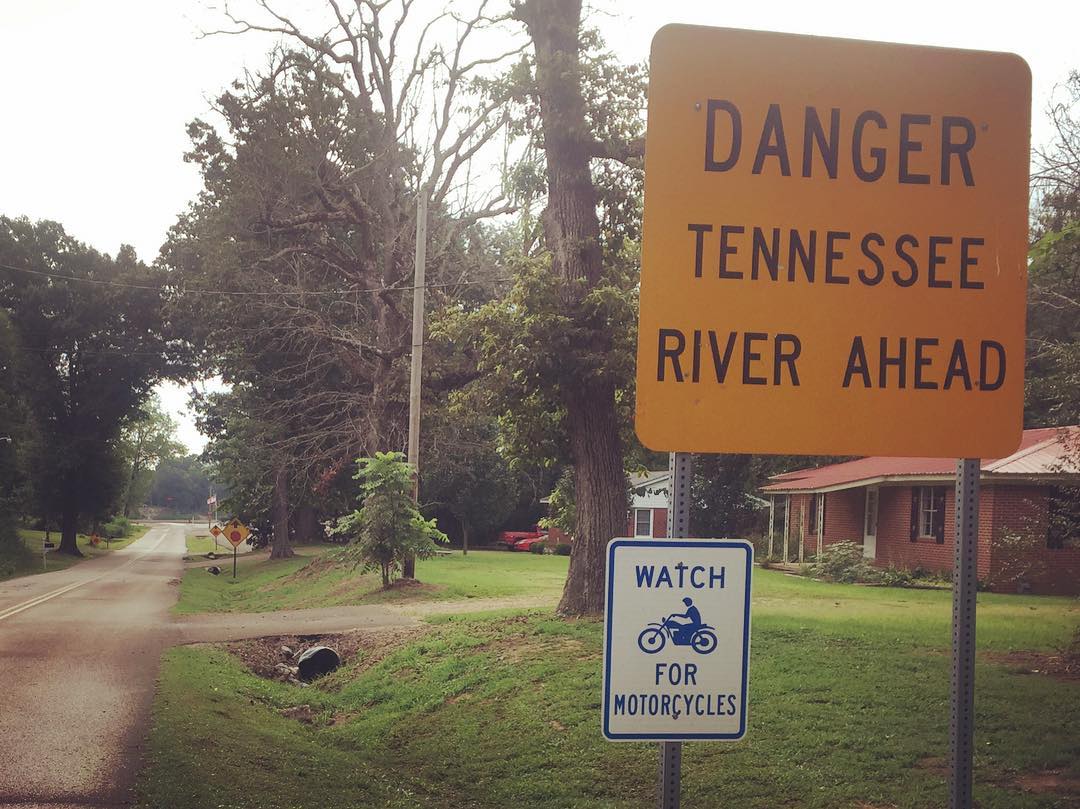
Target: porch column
[820,522]
[787,525]
[802,529]
[772,516]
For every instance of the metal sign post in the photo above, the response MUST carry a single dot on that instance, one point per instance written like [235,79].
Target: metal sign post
[681,467]
[965,580]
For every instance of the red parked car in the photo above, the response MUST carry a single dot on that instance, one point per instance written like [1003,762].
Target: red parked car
[510,539]
[527,543]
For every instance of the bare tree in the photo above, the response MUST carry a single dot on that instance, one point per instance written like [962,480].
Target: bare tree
[425,97]
[430,123]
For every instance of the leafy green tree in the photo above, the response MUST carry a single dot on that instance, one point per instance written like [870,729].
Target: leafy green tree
[562,512]
[302,242]
[246,454]
[12,437]
[181,485]
[147,439]
[91,348]
[466,473]
[388,528]
[1053,351]
[563,339]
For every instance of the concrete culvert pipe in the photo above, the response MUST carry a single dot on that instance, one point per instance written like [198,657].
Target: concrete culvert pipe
[317,661]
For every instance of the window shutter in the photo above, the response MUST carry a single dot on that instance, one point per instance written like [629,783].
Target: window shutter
[821,516]
[939,510]
[914,513]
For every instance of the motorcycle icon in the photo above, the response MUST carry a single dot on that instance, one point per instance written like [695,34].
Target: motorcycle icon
[655,636]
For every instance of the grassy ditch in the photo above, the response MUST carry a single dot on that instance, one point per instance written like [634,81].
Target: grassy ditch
[318,578]
[848,708]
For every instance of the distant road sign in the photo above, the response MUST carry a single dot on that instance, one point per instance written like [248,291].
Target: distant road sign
[677,639]
[236,532]
[216,531]
[835,240]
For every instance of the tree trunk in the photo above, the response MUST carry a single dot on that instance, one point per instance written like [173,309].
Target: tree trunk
[464,538]
[281,548]
[600,493]
[572,235]
[69,524]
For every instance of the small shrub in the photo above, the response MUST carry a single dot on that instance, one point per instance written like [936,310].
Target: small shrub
[761,545]
[895,577]
[562,549]
[536,547]
[843,562]
[116,528]
[387,528]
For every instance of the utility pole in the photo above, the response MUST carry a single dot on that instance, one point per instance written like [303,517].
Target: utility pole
[417,364]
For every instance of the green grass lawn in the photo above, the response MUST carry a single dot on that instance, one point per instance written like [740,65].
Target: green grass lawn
[198,544]
[317,578]
[848,708]
[31,562]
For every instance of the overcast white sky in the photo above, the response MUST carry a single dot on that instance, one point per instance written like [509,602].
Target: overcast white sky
[97,93]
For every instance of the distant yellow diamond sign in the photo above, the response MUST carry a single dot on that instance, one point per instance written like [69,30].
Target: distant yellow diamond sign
[834,254]
[236,532]
[216,531]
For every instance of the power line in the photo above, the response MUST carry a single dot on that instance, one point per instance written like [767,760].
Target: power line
[247,293]
[119,352]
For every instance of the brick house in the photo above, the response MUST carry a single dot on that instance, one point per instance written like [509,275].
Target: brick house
[901,510]
[648,504]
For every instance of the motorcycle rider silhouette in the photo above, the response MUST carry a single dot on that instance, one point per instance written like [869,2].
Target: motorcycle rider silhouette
[684,630]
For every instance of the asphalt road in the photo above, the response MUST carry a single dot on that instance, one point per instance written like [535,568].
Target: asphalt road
[79,655]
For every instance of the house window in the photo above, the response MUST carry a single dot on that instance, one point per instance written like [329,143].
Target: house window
[642,522]
[1063,517]
[870,515]
[928,521]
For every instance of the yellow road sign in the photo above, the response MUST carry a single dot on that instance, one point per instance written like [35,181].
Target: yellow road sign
[834,255]
[236,532]
[216,531]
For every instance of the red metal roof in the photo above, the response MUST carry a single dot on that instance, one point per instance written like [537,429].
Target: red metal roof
[1043,451]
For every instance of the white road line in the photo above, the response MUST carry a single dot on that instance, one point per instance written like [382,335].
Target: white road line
[33,602]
